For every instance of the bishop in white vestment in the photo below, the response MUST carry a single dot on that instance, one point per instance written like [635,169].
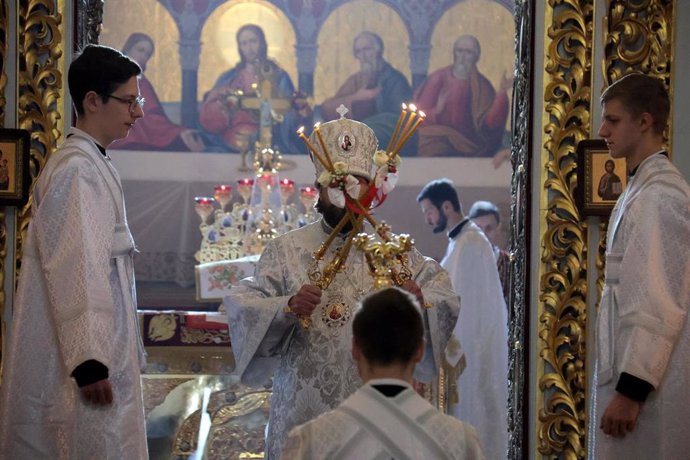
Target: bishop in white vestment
[312,368]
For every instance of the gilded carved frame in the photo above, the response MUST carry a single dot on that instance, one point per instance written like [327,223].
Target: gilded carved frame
[39,68]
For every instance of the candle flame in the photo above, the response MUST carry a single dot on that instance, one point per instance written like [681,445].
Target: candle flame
[404,106]
[413,107]
[300,130]
[316,126]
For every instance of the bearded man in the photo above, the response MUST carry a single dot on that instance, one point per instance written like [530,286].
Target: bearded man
[374,94]
[312,368]
[465,115]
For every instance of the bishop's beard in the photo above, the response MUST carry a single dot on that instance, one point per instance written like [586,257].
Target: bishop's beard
[332,215]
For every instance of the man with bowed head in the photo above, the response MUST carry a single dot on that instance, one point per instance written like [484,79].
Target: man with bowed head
[385,418]
[482,325]
[312,368]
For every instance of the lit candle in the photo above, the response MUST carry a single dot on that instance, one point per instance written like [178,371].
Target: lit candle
[204,200]
[300,133]
[308,196]
[308,191]
[204,207]
[323,146]
[410,119]
[287,187]
[222,194]
[407,137]
[402,116]
[244,188]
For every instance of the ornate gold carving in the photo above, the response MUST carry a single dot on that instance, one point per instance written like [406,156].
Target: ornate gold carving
[563,280]
[228,436]
[162,327]
[638,38]
[39,80]
[39,89]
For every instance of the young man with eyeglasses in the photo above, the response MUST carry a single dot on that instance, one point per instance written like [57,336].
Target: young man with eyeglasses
[71,386]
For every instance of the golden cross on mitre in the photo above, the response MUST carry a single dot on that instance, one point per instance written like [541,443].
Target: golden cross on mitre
[270,109]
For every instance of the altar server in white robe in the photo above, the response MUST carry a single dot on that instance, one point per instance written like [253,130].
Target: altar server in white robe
[482,326]
[385,418]
[71,385]
[640,404]
[312,368]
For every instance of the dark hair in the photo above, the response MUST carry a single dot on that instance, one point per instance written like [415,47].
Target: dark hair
[611,162]
[640,93]
[135,38]
[438,191]
[484,208]
[374,38]
[101,69]
[388,327]
[263,45]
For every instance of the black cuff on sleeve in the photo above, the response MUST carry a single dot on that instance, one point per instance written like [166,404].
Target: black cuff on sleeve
[633,387]
[89,372]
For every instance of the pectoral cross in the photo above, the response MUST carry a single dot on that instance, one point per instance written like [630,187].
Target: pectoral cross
[270,109]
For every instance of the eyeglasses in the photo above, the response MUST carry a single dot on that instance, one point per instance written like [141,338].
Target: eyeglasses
[133,102]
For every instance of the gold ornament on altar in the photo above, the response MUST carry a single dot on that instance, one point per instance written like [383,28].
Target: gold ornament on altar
[342,149]
[264,212]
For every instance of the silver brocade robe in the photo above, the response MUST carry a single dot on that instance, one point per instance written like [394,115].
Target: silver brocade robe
[75,302]
[313,369]
[642,326]
[371,426]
